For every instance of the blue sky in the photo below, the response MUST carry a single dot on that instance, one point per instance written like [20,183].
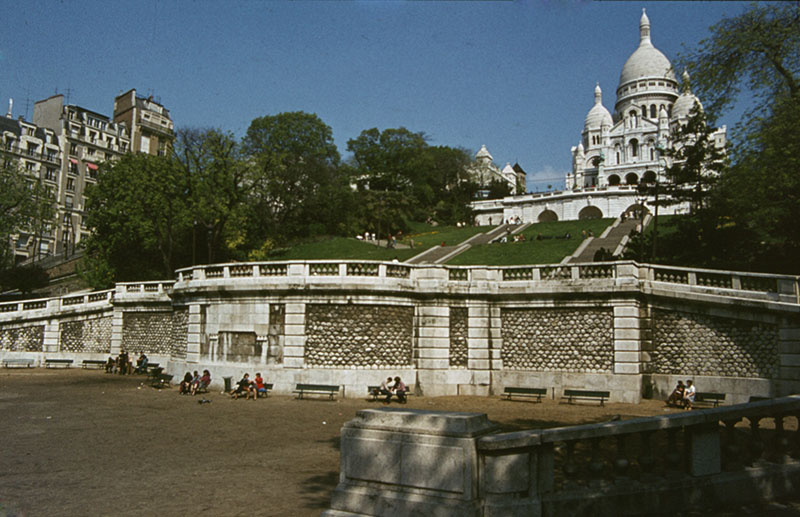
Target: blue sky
[517,76]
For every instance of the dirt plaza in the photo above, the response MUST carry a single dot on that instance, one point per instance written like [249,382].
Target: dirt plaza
[83,442]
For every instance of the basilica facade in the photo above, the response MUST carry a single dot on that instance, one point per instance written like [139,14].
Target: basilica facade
[627,147]
[617,151]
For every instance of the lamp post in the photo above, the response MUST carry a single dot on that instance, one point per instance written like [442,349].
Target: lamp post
[662,167]
[68,231]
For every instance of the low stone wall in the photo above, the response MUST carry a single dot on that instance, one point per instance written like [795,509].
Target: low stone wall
[411,462]
[626,328]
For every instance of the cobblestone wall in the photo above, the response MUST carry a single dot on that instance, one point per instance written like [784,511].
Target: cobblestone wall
[567,340]
[369,336]
[149,332]
[180,332]
[458,337]
[92,335]
[26,339]
[695,344]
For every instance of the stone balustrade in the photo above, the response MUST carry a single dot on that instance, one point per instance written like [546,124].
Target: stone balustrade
[678,462]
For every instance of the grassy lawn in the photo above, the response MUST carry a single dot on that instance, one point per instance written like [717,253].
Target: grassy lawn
[533,251]
[344,248]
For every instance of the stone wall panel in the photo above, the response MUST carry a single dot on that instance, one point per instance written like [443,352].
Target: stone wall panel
[366,336]
[90,335]
[22,339]
[568,340]
[458,337]
[696,344]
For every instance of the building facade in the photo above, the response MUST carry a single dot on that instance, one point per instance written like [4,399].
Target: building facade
[151,128]
[87,138]
[484,172]
[626,147]
[616,151]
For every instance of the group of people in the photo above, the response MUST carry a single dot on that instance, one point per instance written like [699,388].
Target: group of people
[392,388]
[250,388]
[192,383]
[683,395]
[123,364]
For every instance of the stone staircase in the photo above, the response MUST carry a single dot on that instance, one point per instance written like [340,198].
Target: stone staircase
[441,254]
[610,240]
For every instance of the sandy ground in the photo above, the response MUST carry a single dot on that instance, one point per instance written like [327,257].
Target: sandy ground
[77,442]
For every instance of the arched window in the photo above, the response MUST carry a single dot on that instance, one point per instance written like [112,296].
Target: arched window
[547,216]
[653,113]
[613,179]
[634,148]
[652,154]
[644,111]
[649,177]
[590,212]
[631,179]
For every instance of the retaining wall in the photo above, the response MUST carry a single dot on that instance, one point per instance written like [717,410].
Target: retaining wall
[628,328]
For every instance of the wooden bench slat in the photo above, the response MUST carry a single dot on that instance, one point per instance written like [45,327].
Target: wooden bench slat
[516,391]
[572,394]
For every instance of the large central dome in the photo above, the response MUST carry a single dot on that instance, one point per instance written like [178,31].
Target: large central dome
[647,61]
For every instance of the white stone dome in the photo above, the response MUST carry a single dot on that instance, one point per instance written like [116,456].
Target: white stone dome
[686,101]
[598,116]
[646,61]
[484,153]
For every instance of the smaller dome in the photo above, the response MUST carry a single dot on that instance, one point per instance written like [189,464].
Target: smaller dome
[484,153]
[598,116]
[686,101]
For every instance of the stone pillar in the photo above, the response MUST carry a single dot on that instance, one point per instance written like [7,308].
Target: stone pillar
[789,350]
[433,349]
[406,462]
[479,360]
[194,333]
[628,337]
[295,332]
[50,343]
[116,331]
[704,449]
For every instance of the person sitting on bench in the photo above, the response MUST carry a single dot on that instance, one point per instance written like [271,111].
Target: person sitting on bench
[203,383]
[257,387]
[186,383]
[385,389]
[399,390]
[242,386]
[688,395]
[676,397]
[141,364]
[110,364]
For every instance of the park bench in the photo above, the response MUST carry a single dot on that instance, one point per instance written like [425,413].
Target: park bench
[316,389]
[572,395]
[18,363]
[512,391]
[93,363]
[708,399]
[154,373]
[758,398]
[162,380]
[375,392]
[57,363]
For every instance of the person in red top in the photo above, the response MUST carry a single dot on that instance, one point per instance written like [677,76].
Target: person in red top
[257,387]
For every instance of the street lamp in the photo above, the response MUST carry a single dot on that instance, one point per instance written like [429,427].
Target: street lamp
[68,232]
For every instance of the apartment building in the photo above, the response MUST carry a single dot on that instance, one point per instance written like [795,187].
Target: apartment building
[38,151]
[151,128]
[86,138]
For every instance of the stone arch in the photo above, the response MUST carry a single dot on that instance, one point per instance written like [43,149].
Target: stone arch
[547,216]
[636,210]
[590,212]
[649,177]
[631,178]
[613,180]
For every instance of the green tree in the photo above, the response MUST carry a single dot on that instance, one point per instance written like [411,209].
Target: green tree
[295,180]
[216,182]
[756,200]
[138,214]
[25,206]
